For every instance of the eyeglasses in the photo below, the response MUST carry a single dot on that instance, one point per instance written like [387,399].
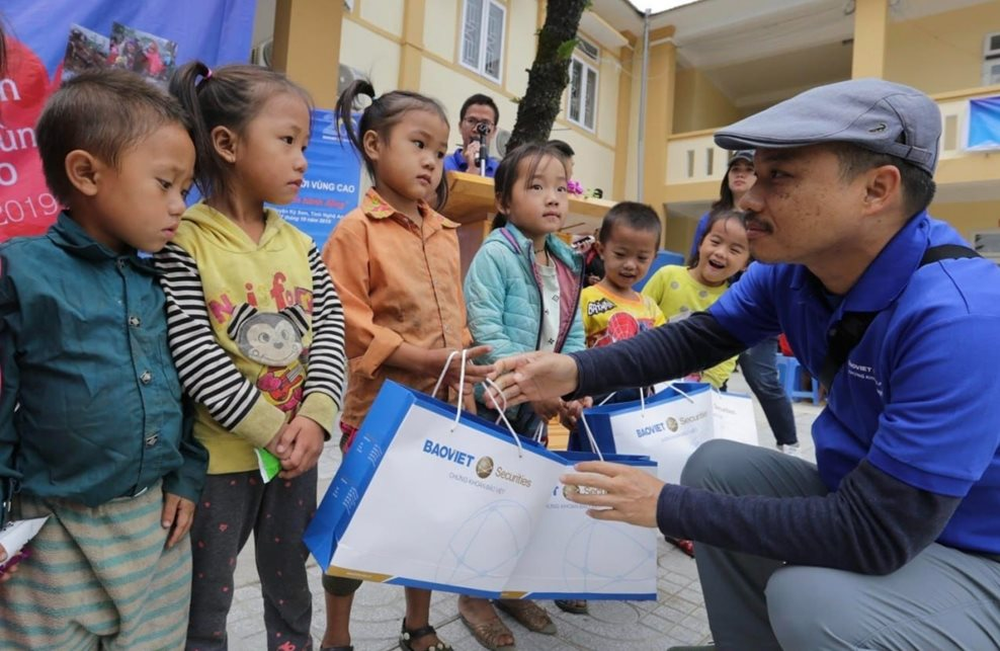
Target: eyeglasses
[473,122]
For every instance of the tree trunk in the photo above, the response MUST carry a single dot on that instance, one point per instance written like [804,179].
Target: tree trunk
[549,74]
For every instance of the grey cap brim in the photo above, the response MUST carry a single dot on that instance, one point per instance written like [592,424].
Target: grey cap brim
[874,114]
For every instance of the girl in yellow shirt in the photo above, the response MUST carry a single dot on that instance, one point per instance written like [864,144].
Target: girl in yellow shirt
[722,253]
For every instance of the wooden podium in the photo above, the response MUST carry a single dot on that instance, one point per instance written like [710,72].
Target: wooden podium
[471,203]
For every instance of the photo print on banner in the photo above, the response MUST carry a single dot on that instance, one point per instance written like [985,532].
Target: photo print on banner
[49,40]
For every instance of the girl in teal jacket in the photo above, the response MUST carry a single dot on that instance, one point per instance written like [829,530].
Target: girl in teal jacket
[522,294]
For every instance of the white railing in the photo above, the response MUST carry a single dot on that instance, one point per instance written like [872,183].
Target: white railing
[693,157]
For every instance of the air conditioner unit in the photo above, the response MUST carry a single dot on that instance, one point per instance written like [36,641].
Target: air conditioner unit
[987,244]
[347,75]
[261,55]
[588,48]
[500,144]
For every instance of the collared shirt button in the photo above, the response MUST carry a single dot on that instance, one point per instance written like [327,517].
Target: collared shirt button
[134,321]
[146,377]
[152,439]
[121,263]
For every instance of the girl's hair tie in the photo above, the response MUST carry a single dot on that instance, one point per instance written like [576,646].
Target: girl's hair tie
[201,82]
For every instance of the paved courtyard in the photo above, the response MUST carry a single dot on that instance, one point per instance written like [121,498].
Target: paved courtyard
[676,617]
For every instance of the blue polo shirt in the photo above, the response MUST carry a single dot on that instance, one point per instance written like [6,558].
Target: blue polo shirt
[456,163]
[919,396]
[84,357]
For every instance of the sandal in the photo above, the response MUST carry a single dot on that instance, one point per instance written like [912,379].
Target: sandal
[573,606]
[683,544]
[406,636]
[529,615]
[489,633]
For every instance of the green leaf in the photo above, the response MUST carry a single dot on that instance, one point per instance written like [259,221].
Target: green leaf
[566,48]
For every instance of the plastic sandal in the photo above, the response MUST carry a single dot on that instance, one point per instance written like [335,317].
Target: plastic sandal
[529,615]
[489,633]
[573,606]
[406,636]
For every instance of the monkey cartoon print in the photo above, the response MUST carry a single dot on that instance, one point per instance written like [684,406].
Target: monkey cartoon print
[274,339]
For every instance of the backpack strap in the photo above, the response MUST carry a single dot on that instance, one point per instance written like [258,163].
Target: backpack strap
[847,333]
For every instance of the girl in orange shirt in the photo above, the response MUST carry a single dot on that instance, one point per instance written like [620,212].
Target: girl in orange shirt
[395,264]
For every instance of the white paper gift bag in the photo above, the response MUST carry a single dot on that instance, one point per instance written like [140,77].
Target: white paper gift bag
[574,556]
[670,425]
[423,501]
[429,498]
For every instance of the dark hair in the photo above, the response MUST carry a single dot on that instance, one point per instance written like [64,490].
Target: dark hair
[479,98]
[714,217]
[563,147]
[726,199]
[918,185]
[228,97]
[381,116]
[634,215]
[506,174]
[103,112]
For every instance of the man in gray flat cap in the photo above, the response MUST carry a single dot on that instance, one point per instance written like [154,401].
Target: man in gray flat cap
[892,540]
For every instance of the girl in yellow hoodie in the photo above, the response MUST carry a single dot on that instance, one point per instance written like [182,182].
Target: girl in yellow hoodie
[257,334]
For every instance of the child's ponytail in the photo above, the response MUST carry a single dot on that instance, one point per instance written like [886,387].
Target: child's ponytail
[184,85]
[346,104]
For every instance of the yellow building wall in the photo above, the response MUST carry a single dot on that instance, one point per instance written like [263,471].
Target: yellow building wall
[375,55]
[699,104]
[519,50]
[442,27]
[969,217]
[385,14]
[943,52]
[632,162]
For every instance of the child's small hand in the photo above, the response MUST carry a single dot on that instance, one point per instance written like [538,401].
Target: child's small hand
[306,446]
[178,513]
[281,443]
[570,413]
[6,574]
[547,409]
[473,373]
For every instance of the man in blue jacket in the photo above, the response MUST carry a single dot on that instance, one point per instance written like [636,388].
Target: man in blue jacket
[892,540]
[477,123]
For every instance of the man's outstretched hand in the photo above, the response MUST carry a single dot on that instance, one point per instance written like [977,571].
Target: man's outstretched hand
[532,377]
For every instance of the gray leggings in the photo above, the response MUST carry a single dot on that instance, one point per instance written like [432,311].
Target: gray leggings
[232,507]
[942,599]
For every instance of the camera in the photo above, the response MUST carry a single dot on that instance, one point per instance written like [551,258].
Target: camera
[483,129]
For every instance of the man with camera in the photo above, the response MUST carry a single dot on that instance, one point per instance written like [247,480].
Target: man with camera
[478,124]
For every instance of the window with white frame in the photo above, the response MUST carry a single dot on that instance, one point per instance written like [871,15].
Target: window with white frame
[991,59]
[581,106]
[482,37]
